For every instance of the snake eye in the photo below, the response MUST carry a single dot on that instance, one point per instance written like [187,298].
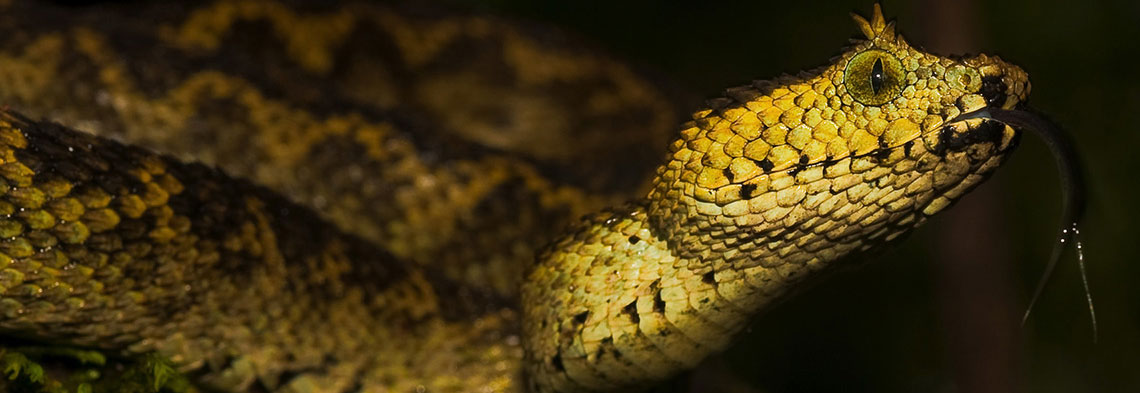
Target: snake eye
[874,77]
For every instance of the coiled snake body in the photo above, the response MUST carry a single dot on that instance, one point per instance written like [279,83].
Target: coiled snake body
[374,250]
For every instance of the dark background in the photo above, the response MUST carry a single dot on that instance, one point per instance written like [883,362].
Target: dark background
[941,312]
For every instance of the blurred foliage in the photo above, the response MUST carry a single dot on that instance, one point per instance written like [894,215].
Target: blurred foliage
[22,370]
[878,328]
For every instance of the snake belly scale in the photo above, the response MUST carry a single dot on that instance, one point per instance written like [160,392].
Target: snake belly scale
[309,198]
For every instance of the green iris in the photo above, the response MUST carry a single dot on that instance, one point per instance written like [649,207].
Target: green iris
[874,77]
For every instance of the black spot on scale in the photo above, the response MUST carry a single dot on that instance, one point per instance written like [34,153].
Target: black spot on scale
[581,317]
[709,278]
[634,239]
[882,154]
[989,131]
[288,376]
[945,138]
[802,164]
[746,191]
[728,174]
[907,147]
[556,361]
[658,303]
[993,90]
[631,310]
[765,165]
[607,342]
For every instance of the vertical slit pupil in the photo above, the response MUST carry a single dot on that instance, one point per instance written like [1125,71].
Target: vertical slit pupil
[877,76]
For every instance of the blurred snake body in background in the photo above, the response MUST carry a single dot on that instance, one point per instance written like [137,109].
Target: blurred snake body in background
[311,198]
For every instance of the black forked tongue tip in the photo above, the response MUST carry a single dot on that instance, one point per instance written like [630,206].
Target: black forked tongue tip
[1072,182]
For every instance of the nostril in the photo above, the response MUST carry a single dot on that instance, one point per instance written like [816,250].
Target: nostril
[993,90]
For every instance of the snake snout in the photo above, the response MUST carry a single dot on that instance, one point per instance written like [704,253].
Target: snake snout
[1004,85]
[990,85]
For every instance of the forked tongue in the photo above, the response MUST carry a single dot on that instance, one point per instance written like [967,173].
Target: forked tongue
[1073,192]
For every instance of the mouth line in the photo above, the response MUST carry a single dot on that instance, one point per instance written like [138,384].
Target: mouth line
[1060,145]
[884,151]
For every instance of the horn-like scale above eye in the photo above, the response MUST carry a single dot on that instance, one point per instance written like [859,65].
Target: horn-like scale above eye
[874,77]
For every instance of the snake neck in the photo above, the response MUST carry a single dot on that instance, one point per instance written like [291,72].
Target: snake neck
[650,310]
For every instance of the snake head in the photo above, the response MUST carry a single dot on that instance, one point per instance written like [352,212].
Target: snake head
[883,70]
[898,93]
[901,92]
[751,162]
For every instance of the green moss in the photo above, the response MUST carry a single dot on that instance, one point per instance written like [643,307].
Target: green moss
[83,356]
[20,370]
[151,374]
[85,371]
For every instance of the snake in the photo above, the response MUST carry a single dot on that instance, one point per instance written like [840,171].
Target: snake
[284,196]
